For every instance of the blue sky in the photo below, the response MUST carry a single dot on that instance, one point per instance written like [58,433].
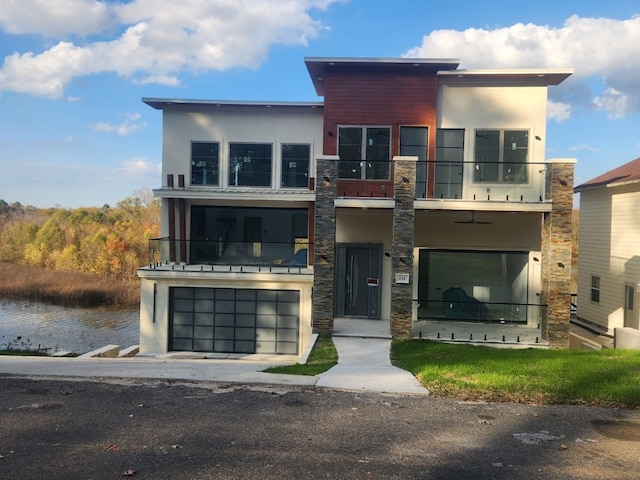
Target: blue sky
[74,132]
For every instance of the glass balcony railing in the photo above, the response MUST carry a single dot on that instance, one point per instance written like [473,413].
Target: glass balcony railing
[206,252]
[484,312]
[483,181]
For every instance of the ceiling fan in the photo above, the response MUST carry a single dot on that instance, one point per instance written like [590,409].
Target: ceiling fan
[473,220]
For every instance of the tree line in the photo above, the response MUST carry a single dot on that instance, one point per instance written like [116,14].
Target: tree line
[107,241]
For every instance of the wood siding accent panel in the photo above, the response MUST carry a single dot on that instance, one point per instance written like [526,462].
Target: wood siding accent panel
[382,99]
[365,188]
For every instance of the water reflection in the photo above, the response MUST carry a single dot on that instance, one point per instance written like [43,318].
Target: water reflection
[55,328]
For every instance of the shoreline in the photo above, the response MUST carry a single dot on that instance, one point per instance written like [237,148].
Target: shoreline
[70,289]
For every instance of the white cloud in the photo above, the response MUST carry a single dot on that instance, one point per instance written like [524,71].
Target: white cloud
[128,125]
[558,111]
[612,101]
[56,18]
[154,41]
[139,166]
[583,147]
[584,44]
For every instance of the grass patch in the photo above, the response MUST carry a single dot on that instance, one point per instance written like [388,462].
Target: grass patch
[323,356]
[603,378]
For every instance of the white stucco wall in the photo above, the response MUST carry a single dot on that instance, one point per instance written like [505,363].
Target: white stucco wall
[474,107]
[224,124]
[154,329]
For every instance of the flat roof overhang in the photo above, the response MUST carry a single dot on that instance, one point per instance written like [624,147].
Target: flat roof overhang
[518,76]
[319,66]
[177,103]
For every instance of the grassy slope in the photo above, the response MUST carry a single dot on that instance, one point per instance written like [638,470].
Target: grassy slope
[608,378]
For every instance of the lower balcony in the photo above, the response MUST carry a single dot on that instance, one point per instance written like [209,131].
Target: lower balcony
[167,251]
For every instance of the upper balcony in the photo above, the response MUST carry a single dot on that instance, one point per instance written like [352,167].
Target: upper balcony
[450,184]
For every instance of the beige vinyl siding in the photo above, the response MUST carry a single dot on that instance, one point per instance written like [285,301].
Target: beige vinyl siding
[609,247]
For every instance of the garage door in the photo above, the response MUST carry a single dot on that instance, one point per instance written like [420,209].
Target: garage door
[234,320]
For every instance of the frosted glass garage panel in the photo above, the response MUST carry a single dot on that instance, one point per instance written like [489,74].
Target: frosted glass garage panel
[234,320]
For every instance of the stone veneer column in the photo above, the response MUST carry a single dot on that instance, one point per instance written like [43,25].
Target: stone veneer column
[324,244]
[404,185]
[556,253]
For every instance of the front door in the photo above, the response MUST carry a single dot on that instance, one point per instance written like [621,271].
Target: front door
[358,280]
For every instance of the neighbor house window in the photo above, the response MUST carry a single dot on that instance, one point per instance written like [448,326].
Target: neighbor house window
[364,152]
[501,156]
[295,165]
[204,163]
[595,289]
[250,164]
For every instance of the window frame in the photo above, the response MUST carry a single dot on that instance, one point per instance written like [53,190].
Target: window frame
[499,169]
[365,164]
[231,175]
[595,289]
[283,170]
[203,161]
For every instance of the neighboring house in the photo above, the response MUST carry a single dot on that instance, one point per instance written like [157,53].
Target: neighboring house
[414,191]
[609,251]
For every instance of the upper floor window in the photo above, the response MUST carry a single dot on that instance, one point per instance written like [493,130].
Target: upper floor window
[295,165]
[595,289]
[449,162]
[204,163]
[250,164]
[501,156]
[364,152]
[414,141]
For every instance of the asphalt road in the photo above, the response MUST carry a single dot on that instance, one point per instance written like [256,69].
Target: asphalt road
[157,429]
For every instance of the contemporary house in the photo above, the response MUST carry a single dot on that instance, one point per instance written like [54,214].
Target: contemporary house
[415,191]
[609,256]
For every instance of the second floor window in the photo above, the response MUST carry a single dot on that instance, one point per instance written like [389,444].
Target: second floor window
[501,156]
[250,164]
[204,163]
[364,152]
[295,165]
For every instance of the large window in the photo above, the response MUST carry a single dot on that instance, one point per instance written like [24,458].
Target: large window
[204,163]
[501,156]
[249,235]
[449,162]
[473,285]
[250,164]
[414,141]
[364,152]
[295,165]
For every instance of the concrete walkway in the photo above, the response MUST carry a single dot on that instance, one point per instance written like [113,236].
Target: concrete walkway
[363,365]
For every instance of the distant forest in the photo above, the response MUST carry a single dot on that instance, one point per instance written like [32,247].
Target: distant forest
[107,241]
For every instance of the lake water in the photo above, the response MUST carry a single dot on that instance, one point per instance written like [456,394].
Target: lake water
[55,328]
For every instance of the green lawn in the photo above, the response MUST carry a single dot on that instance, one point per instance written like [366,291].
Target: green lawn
[607,378]
[322,358]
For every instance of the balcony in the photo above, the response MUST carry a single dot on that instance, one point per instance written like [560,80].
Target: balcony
[483,181]
[167,251]
[440,180]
